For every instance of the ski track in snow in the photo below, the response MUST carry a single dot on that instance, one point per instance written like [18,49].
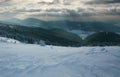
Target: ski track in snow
[26,60]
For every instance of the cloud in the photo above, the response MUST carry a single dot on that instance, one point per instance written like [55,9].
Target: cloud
[103,1]
[59,8]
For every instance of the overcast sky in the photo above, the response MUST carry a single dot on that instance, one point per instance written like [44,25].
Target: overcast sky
[61,9]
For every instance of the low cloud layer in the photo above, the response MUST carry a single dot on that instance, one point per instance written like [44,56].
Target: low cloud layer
[60,9]
[103,1]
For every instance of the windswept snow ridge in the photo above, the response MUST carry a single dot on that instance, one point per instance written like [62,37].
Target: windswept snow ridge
[26,60]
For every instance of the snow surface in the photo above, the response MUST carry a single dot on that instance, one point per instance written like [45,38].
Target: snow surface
[26,60]
[8,40]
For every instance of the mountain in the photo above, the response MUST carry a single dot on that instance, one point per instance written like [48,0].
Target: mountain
[34,35]
[84,26]
[65,33]
[93,26]
[103,38]
[81,28]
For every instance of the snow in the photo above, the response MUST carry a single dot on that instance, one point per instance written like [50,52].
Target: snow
[8,40]
[27,60]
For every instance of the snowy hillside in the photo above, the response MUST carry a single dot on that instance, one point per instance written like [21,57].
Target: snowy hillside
[26,60]
[8,40]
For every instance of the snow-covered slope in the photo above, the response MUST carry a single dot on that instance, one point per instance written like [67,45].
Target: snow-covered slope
[26,60]
[8,40]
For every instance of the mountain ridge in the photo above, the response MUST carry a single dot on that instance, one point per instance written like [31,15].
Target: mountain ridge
[95,26]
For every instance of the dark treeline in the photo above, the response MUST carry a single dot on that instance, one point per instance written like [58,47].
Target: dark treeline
[57,36]
[34,35]
[103,39]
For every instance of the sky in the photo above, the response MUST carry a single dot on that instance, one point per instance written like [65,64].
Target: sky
[75,10]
